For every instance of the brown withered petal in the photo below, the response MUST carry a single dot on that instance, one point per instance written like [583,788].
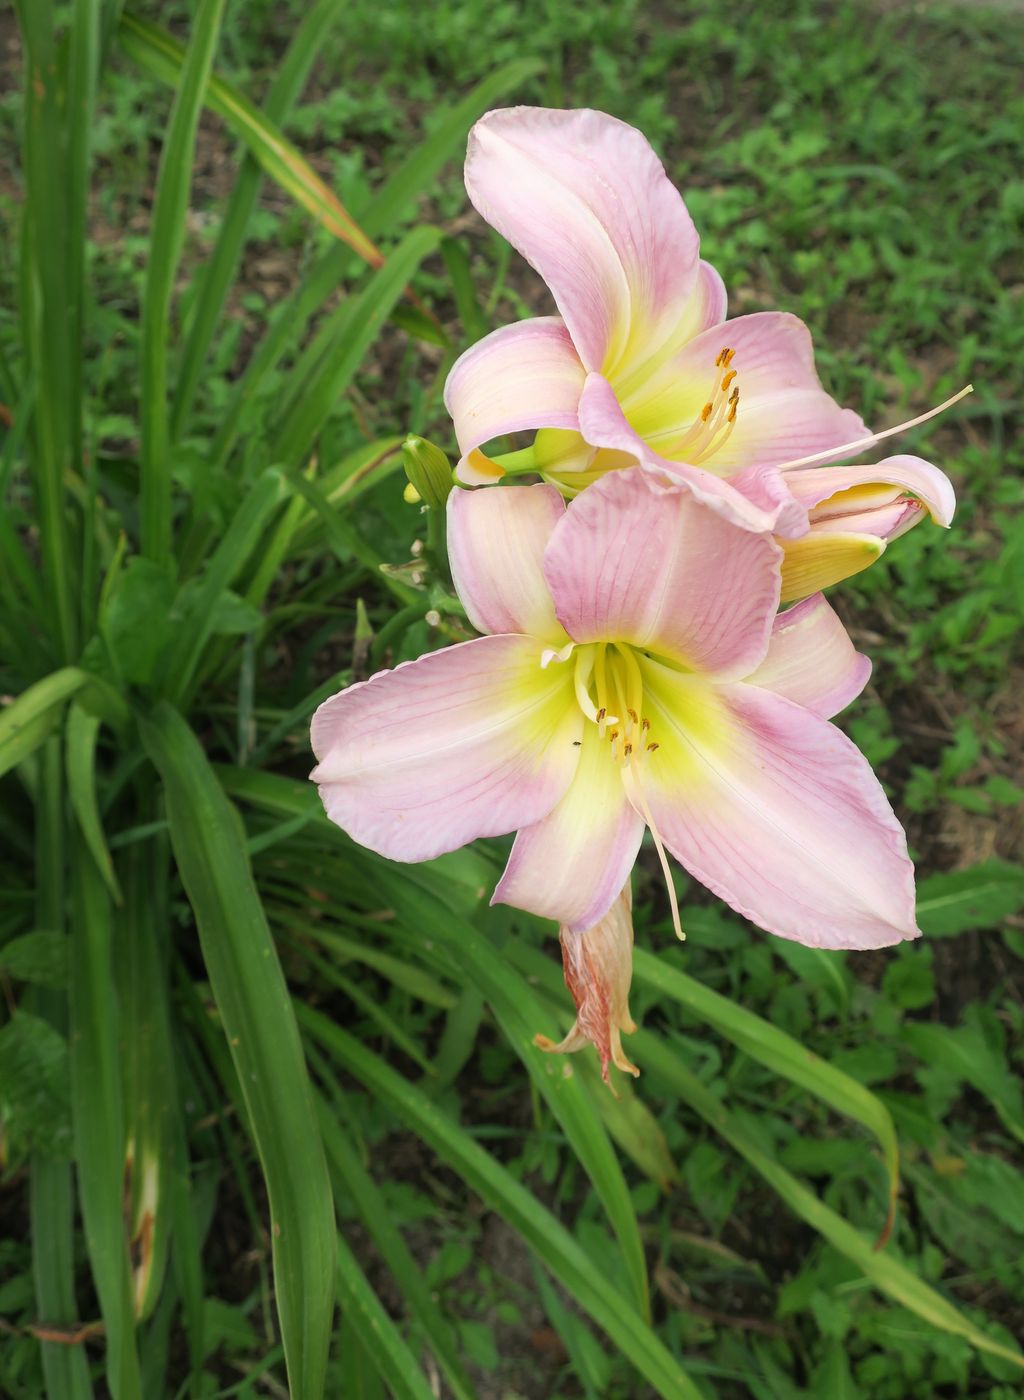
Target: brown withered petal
[598,967]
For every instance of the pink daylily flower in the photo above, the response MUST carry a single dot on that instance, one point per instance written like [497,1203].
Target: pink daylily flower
[634,672]
[640,364]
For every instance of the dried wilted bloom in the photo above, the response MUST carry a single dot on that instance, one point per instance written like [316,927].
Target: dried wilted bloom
[598,965]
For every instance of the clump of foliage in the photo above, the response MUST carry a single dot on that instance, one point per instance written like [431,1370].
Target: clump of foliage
[249,1072]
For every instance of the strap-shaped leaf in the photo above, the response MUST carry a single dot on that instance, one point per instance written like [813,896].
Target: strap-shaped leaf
[549,1240]
[887,1273]
[164,58]
[780,1053]
[30,719]
[249,988]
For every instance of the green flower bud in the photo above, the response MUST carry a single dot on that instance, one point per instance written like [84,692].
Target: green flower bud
[428,469]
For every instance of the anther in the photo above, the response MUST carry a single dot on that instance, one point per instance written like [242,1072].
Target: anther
[645,724]
[632,715]
[613,735]
[728,379]
[627,749]
[728,358]
[601,714]
[705,413]
[652,747]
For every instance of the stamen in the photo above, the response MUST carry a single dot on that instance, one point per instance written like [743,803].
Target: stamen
[705,412]
[859,444]
[728,379]
[631,778]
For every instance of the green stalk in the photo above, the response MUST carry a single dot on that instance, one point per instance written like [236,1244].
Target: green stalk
[168,233]
[51,1201]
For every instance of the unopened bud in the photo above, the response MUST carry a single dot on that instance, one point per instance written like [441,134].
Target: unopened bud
[428,469]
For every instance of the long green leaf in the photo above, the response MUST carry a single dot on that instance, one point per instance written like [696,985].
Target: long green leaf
[551,1242]
[249,988]
[358,1186]
[377,1333]
[416,174]
[216,277]
[45,291]
[353,336]
[165,58]
[51,1201]
[80,748]
[234,552]
[890,1276]
[783,1055]
[98,1118]
[170,206]
[28,721]
[568,1097]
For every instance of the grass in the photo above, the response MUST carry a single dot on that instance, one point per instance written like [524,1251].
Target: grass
[858,166]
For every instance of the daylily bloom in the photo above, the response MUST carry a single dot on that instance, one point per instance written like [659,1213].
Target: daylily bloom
[598,967]
[635,673]
[640,365]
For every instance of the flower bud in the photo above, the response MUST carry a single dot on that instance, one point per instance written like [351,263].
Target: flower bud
[428,469]
[851,526]
[598,967]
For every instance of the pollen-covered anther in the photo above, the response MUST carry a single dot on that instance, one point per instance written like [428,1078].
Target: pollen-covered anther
[711,428]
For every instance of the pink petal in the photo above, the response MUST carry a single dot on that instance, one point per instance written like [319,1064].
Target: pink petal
[783,411]
[811,660]
[777,812]
[522,376]
[588,204]
[637,558]
[759,499]
[475,740]
[572,864]
[820,486]
[496,543]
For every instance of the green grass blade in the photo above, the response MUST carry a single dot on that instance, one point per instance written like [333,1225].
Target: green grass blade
[44,296]
[382,1339]
[234,552]
[551,1242]
[152,1109]
[51,1199]
[887,1273]
[783,1055]
[80,755]
[521,1018]
[83,75]
[355,1183]
[164,58]
[98,1118]
[417,173]
[249,988]
[170,206]
[52,1217]
[217,276]
[353,335]
[420,169]
[28,721]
